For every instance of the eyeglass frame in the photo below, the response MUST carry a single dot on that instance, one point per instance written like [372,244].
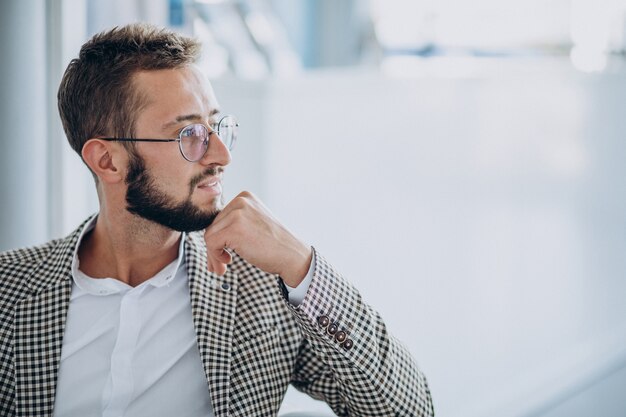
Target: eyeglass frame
[180,139]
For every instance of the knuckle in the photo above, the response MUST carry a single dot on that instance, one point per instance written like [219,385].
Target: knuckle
[239,203]
[238,216]
[248,196]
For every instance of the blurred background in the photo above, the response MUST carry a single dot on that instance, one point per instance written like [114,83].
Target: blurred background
[462,163]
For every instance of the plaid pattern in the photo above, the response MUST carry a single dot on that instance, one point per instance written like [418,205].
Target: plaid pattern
[253,343]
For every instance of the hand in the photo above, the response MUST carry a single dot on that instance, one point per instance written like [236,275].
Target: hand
[246,226]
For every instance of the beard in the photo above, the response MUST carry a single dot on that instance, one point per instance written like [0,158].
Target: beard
[144,199]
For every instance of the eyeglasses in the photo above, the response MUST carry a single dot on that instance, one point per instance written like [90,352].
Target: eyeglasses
[193,140]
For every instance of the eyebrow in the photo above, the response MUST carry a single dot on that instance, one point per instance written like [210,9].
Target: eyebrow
[188,118]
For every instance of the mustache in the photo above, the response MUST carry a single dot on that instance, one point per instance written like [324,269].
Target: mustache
[209,172]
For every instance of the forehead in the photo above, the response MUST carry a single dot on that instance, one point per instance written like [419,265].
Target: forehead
[169,93]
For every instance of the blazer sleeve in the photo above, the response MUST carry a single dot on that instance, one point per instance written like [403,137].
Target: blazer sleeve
[348,358]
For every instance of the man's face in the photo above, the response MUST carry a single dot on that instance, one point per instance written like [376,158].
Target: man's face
[147,200]
[162,186]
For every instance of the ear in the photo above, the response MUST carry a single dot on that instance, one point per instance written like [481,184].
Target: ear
[108,160]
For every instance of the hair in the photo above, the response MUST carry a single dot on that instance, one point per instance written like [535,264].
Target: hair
[97,97]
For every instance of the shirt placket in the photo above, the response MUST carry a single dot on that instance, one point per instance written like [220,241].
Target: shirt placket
[121,378]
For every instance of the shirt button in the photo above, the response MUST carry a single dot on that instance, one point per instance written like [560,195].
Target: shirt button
[225,287]
[341,336]
[332,329]
[347,345]
[323,321]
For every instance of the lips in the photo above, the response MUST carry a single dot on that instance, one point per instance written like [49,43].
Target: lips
[211,187]
[209,182]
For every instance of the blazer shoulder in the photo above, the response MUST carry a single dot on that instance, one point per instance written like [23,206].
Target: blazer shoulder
[27,256]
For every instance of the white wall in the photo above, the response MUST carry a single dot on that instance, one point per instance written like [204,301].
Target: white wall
[23,118]
[482,216]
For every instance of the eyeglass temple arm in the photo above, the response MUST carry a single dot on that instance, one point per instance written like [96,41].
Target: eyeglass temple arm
[140,140]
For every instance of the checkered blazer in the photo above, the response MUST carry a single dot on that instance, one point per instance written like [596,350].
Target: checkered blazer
[252,342]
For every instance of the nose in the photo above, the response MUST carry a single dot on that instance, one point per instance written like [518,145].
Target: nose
[217,152]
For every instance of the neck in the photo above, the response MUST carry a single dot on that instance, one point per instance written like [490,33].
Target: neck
[128,248]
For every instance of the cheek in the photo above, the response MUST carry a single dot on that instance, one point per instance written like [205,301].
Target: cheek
[173,179]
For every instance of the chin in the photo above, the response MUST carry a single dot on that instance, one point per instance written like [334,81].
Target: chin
[216,204]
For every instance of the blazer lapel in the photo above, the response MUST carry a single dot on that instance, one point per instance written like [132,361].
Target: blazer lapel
[213,303]
[38,330]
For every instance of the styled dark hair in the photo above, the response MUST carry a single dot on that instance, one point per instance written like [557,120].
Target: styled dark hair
[97,97]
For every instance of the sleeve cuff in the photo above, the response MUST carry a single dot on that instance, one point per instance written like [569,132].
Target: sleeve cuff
[297,294]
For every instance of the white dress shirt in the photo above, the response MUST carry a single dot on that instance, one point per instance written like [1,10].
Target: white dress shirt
[132,351]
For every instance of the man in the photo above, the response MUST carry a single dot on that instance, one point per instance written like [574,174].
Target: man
[167,302]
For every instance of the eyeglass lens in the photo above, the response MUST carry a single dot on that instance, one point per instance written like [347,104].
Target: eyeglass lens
[227,131]
[194,139]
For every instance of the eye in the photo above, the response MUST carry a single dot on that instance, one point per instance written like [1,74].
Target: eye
[196,130]
[194,141]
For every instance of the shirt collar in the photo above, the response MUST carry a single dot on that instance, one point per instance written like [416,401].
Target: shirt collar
[107,286]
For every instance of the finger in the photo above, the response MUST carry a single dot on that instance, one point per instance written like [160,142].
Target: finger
[222,234]
[221,269]
[209,264]
[228,255]
[217,254]
[220,222]
[216,266]
[242,200]
[220,263]
[217,257]
[223,257]
[217,249]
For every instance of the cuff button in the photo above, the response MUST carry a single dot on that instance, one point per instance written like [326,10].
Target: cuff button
[323,321]
[347,345]
[332,329]
[341,336]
